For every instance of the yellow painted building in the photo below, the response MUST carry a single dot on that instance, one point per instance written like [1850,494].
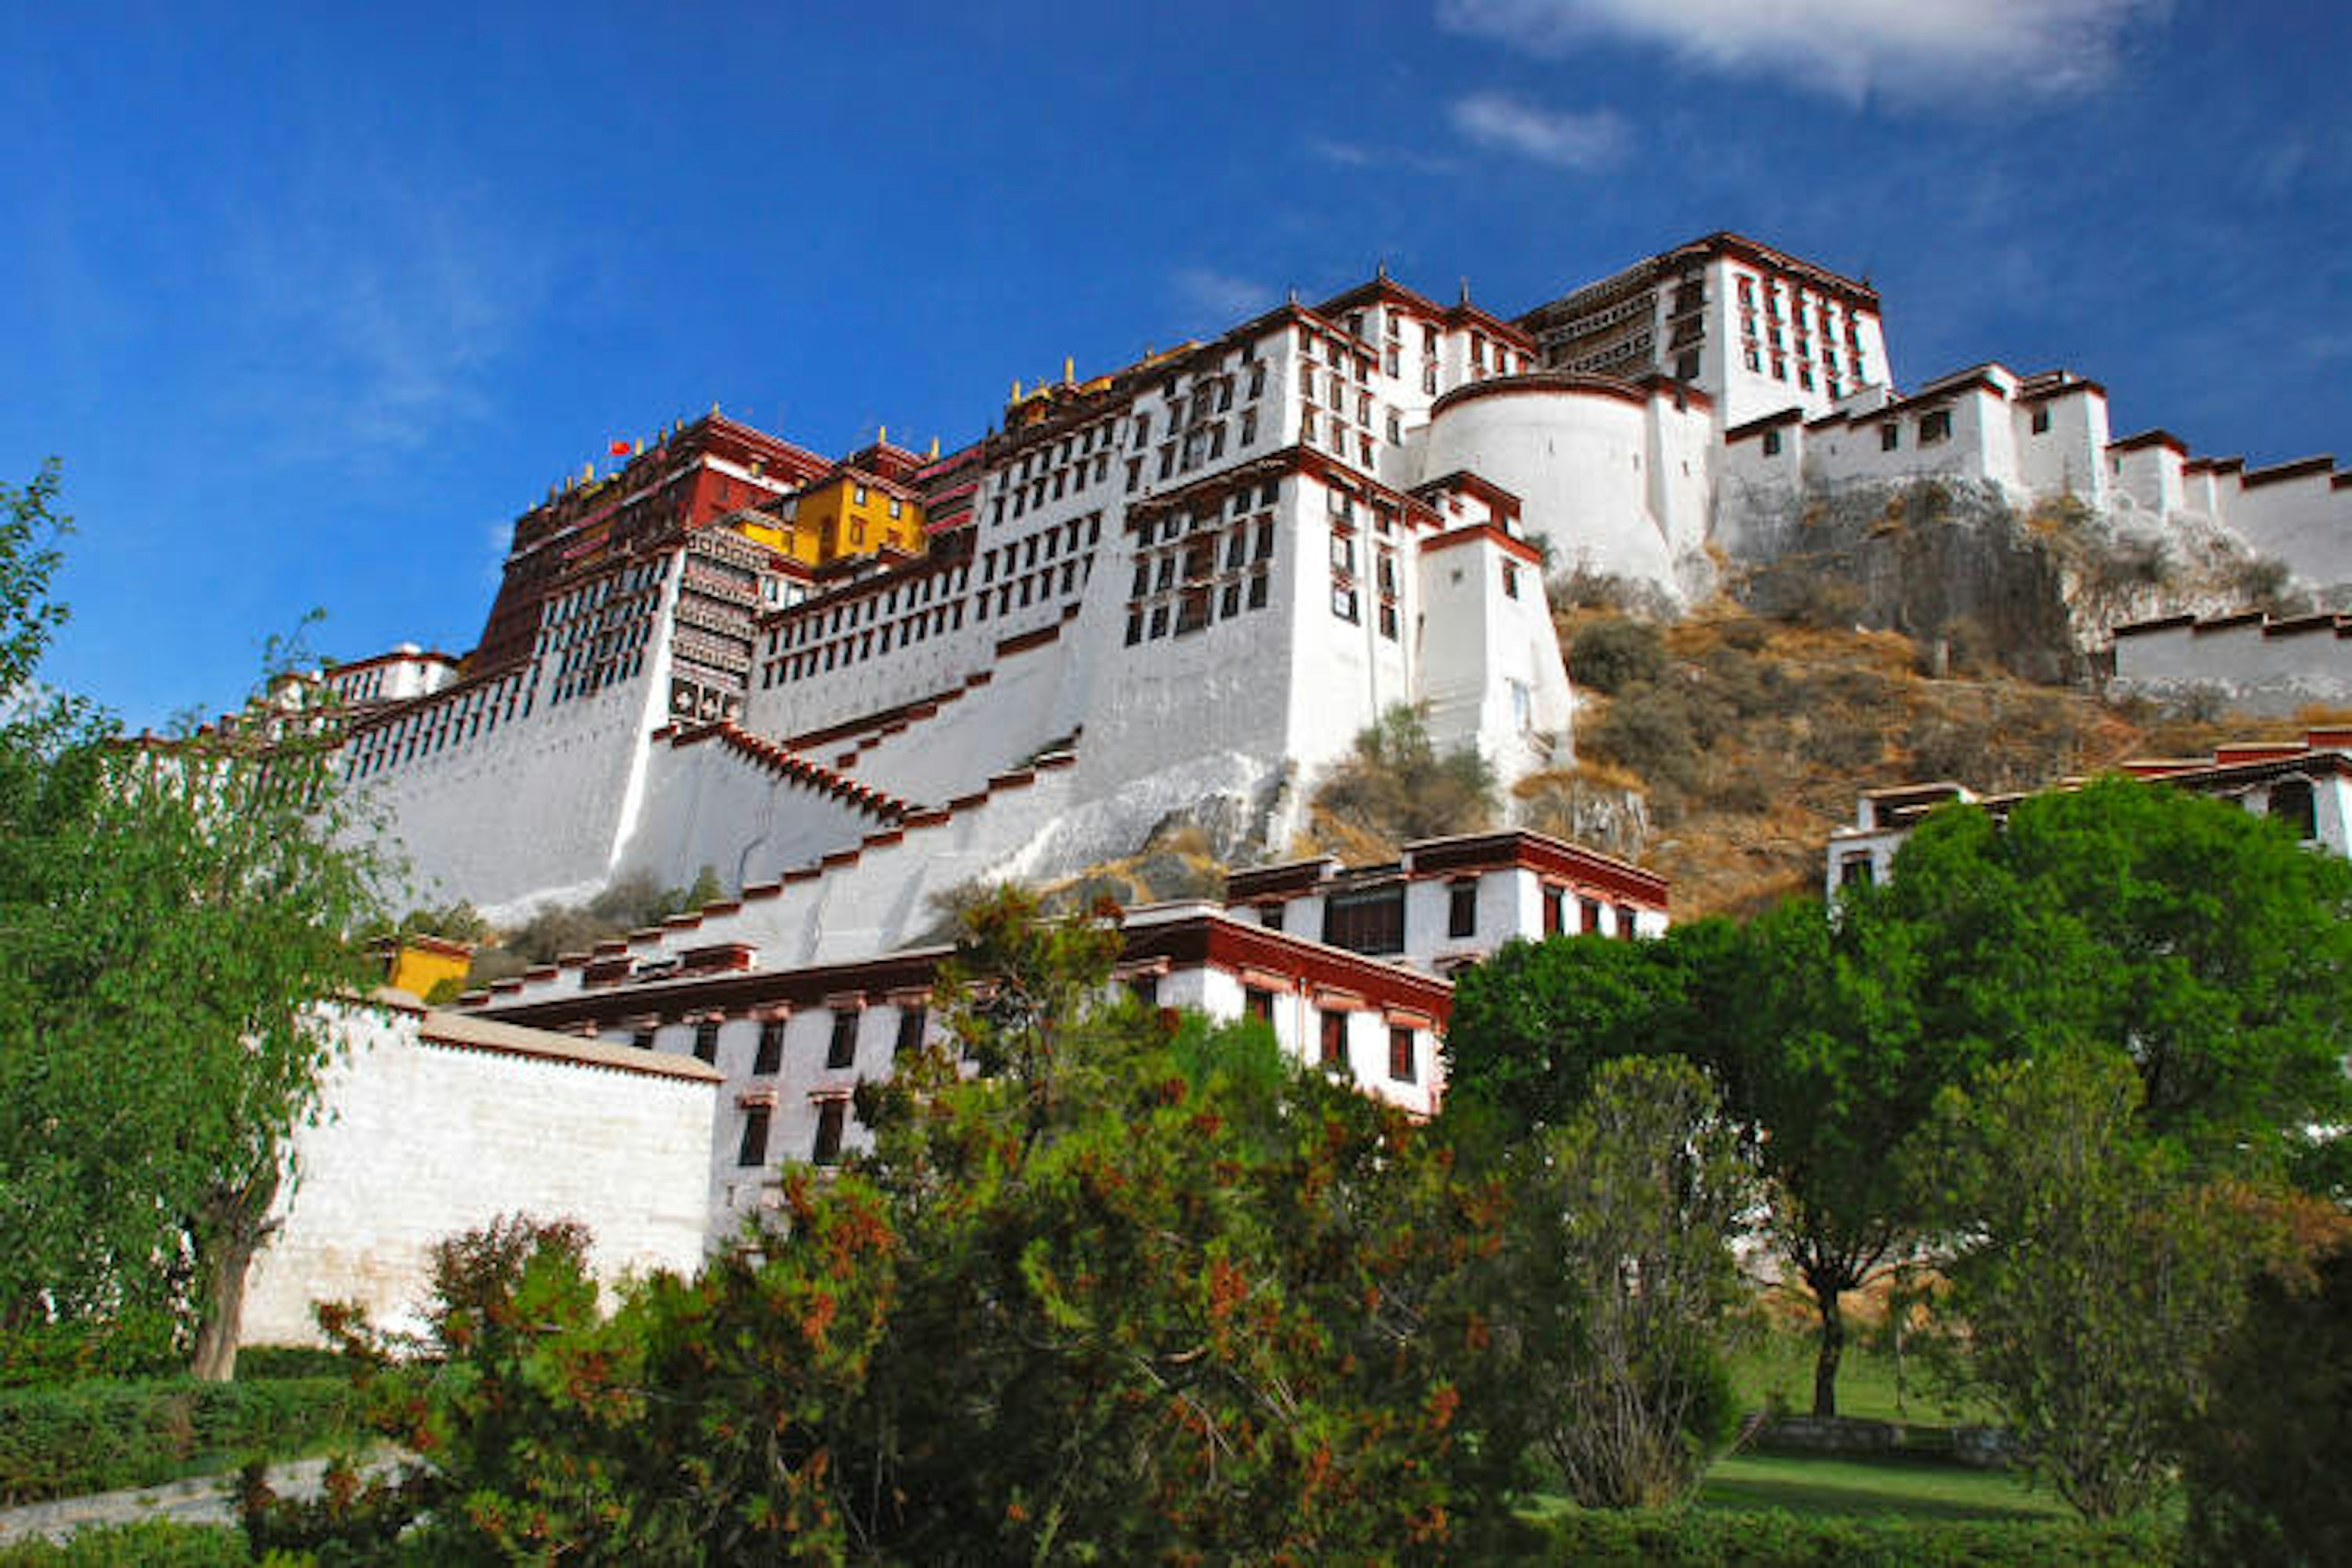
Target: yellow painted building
[850,512]
[417,963]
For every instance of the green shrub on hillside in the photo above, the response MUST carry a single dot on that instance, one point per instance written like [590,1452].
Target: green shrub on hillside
[1399,786]
[1610,654]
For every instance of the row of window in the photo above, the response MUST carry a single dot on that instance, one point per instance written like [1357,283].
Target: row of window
[1156,571]
[645,576]
[616,653]
[1819,311]
[825,1149]
[922,624]
[1332,1037]
[819,619]
[433,727]
[1023,552]
[1832,383]
[1587,915]
[1371,921]
[768,1054]
[597,676]
[1934,427]
[1191,610]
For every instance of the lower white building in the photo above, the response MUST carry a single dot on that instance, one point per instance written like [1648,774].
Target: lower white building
[1349,967]
[2306,783]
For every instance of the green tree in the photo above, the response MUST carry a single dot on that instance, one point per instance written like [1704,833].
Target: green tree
[1830,1068]
[1185,1283]
[2094,1279]
[1534,1023]
[1808,1027]
[1617,1292]
[173,914]
[2265,1464]
[2197,941]
[1140,1292]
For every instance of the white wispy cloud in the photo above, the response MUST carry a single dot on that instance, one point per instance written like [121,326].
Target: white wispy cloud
[1386,159]
[1220,296]
[387,332]
[1568,139]
[1911,50]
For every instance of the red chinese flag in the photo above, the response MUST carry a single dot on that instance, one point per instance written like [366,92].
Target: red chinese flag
[620,448]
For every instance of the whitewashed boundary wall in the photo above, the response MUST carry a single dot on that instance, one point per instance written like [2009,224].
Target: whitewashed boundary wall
[2254,664]
[436,1123]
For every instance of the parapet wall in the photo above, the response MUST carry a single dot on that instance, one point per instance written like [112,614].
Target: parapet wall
[2253,663]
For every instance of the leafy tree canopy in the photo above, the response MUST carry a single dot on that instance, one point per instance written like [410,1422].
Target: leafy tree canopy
[2201,942]
[173,913]
[2092,1280]
[1145,1292]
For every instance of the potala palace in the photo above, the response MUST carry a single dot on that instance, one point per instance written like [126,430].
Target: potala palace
[1174,592]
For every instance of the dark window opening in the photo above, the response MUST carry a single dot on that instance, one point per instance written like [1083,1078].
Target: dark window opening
[1258,1004]
[770,1058]
[842,1050]
[1366,922]
[706,1041]
[754,1149]
[2290,803]
[1401,1055]
[911,1030]
[1461,910]
[831,1115]
[1335,1040]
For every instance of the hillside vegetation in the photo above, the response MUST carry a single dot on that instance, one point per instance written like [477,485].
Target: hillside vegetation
[1747,740]
[1722,749]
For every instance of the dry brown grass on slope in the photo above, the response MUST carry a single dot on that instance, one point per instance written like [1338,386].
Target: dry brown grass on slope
[1757,738]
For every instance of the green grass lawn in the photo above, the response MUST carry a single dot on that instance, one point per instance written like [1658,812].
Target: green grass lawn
[1807,1485]
[1778,1365]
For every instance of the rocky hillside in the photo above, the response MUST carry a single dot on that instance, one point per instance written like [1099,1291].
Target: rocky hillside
[1955,563]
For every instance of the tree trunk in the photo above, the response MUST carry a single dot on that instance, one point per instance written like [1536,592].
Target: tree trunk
[1827,1300]
[239,1226]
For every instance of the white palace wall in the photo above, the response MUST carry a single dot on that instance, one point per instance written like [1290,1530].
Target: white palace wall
[2261,666]
[436,1123]
[712,802]
[2301,513]
[536,811]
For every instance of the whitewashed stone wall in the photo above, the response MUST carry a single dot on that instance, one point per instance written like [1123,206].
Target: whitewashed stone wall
[420,1139]
[2257,664]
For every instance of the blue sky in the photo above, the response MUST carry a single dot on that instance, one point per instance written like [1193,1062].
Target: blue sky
[312,300]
